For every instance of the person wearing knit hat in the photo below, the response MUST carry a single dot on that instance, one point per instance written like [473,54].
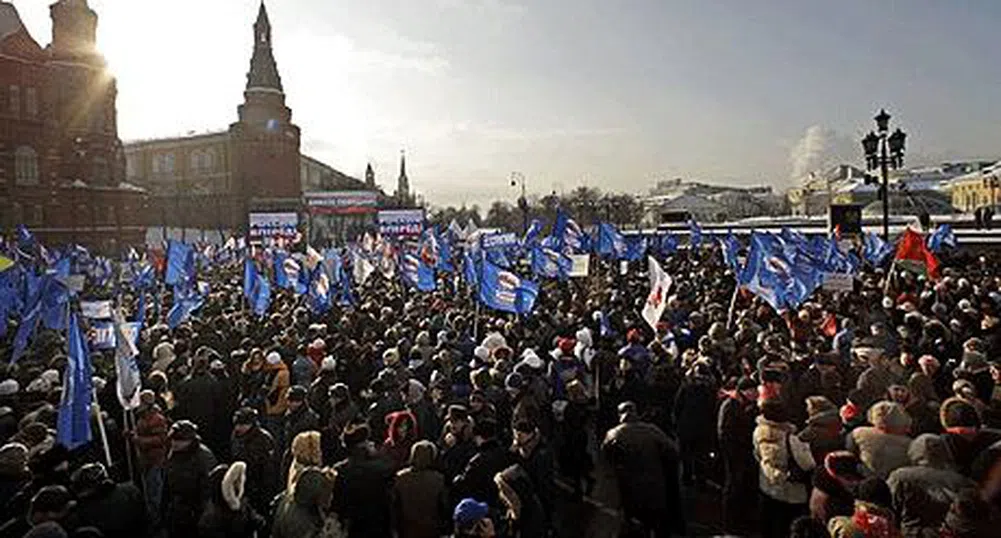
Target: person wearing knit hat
[472,520]
[883,445]
[930,472]
[873,515]
[14,472]
[735,426]
[823,427]
[9,387]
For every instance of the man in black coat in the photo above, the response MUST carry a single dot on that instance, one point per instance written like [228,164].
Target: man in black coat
[645,461]
[117,510]
[200,399]
[477,480]
[299,417]
[186,486]
[254,446]
[362,488]
[736,445]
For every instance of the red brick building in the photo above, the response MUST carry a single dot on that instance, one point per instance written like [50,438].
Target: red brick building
[62,166]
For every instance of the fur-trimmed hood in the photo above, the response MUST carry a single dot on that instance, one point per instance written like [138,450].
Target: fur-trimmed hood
[233,485]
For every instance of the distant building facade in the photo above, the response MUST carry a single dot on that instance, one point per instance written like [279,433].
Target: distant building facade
[677,200]
[213,181]
[62,165]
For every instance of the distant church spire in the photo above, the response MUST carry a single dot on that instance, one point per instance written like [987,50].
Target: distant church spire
[403,183]
[369,176]
[263,69]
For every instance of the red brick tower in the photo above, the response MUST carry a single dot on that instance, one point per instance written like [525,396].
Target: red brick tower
[264,142]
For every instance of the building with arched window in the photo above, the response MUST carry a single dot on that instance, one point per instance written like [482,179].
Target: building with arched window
[62,165]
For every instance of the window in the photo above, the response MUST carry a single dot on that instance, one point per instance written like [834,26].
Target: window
[15,100]
[196,160]
[208,159]
[17,213]
[130,166]
[26,166]
[31,102]
[163,163]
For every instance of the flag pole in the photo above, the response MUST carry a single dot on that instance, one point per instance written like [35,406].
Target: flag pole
[128,444]
[733,304]
[100,427]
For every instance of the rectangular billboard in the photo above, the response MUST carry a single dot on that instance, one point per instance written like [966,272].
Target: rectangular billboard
[265,226]
[342,202]
[401,222]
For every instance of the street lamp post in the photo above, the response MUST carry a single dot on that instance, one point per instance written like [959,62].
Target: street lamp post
[883,151]
[516,178]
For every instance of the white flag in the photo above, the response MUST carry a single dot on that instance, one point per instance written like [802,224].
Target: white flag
[126,369]
[96,309]
[656,301]
[363,268]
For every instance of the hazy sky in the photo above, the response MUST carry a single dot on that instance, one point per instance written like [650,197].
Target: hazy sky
[568,92]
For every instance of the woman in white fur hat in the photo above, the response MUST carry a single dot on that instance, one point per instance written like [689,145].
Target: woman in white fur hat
[227,514]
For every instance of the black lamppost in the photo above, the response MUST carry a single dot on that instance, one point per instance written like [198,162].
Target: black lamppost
[516,178]
[884,150]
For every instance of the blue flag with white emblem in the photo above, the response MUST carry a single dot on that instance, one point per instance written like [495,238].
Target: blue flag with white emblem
[506,291]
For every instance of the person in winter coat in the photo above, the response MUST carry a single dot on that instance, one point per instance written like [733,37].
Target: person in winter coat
[574,460]
[964,434]
[186,485]
[735,430]
[924,415]
[645,462]
[305,452]
[319,390]
[783,461]
[200,399]
[401,434]
[834,485]
[419,496]
[414,396]
[343,411]
[823,427]
[924,491]
[525,516]
[456,444]
[362,486]
[117,510]
[532,452]
[275,389]
[14,473]
[151,444]
[883,446]
[298,418]
[227,514]
[694,408]
[873,515]
[477,479]
[969,517]
[254,446]
[301,515]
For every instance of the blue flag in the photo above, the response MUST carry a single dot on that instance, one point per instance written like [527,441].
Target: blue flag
[506,291]
[549,263]
[611,242]
[668,244]
[636,247]
[470,271]
[874,249]
[416,273]
[782,282]
[730,246]
[73,423]
[532,234]
[249,277]
[695,234]
[180,263]
[942,237]
[281,278]
[319,290]
[568,234]
[260,295]
[186,301]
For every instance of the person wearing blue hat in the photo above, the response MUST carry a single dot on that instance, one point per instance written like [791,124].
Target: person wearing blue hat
[472,520]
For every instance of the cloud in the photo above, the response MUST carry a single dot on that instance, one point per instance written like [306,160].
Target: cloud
[487,8]
[820,148]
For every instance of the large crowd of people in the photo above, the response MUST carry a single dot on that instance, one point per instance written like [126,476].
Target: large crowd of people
[868,413]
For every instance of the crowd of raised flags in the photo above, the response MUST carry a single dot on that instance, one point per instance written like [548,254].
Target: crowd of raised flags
[38,285]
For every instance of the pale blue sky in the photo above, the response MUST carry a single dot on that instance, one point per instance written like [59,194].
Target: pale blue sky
[613,94]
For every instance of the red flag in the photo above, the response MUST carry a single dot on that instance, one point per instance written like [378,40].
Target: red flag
[912,254]
[830,325]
